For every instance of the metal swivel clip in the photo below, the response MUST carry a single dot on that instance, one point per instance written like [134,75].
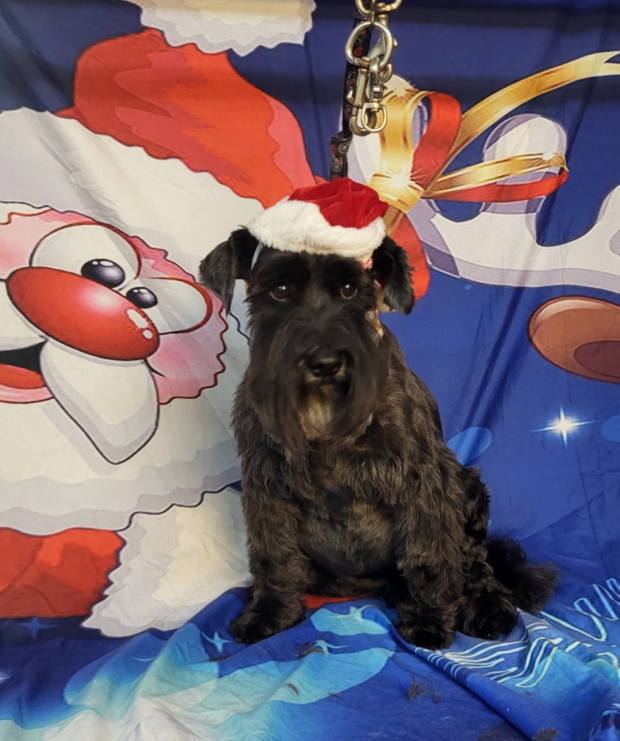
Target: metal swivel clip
[369,114]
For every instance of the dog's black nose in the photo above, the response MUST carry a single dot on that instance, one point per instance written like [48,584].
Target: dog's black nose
[325,363]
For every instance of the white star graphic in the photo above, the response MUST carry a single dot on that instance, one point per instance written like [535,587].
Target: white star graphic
[563,426]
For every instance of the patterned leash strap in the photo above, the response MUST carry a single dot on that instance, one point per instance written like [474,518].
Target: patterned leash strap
[339,143]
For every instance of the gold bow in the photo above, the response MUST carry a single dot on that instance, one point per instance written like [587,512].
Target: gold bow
[393,181]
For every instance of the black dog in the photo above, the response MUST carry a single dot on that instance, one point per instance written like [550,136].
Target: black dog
[348,486]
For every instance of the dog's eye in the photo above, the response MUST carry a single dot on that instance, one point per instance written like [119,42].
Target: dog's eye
[281,292]
[348,290]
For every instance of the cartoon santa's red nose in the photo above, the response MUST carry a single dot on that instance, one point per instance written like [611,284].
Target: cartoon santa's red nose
[91,318]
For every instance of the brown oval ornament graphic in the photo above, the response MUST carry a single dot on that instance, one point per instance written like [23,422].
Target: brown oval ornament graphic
[580,335]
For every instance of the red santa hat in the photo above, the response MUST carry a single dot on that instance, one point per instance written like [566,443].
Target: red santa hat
[337,218]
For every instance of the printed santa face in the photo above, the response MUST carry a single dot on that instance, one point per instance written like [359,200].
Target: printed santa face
[110,357]
[81,316]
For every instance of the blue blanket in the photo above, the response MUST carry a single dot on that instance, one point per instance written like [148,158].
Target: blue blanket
[345,672]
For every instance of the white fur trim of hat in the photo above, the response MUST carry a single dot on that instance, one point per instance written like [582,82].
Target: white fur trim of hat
[296,226]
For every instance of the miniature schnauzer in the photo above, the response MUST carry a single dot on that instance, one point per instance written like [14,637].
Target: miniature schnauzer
[348,486]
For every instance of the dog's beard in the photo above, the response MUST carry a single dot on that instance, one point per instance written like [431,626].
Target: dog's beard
[318,408]
[296,410]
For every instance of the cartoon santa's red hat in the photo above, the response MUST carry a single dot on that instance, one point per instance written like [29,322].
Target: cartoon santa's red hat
[337,218]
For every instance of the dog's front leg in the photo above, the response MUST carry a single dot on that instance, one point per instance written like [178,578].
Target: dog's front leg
[279,568]
[429,534]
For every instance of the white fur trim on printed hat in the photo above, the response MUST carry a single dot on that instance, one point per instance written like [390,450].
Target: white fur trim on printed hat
[296,226]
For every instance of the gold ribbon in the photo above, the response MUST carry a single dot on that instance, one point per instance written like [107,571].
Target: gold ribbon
[496,106]
[484,173]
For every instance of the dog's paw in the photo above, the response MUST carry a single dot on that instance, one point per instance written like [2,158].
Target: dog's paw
[257,623]
[433,637]
[490,616]
[251,627]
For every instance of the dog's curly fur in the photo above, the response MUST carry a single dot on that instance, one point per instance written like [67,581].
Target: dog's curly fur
[348,485]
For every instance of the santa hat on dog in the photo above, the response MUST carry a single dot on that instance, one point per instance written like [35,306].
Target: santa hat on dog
[337,218]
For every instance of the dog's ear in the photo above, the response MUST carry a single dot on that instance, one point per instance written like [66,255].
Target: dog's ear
[391,269]
[228,262]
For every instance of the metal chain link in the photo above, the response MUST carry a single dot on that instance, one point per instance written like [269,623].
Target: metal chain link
[368,114]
